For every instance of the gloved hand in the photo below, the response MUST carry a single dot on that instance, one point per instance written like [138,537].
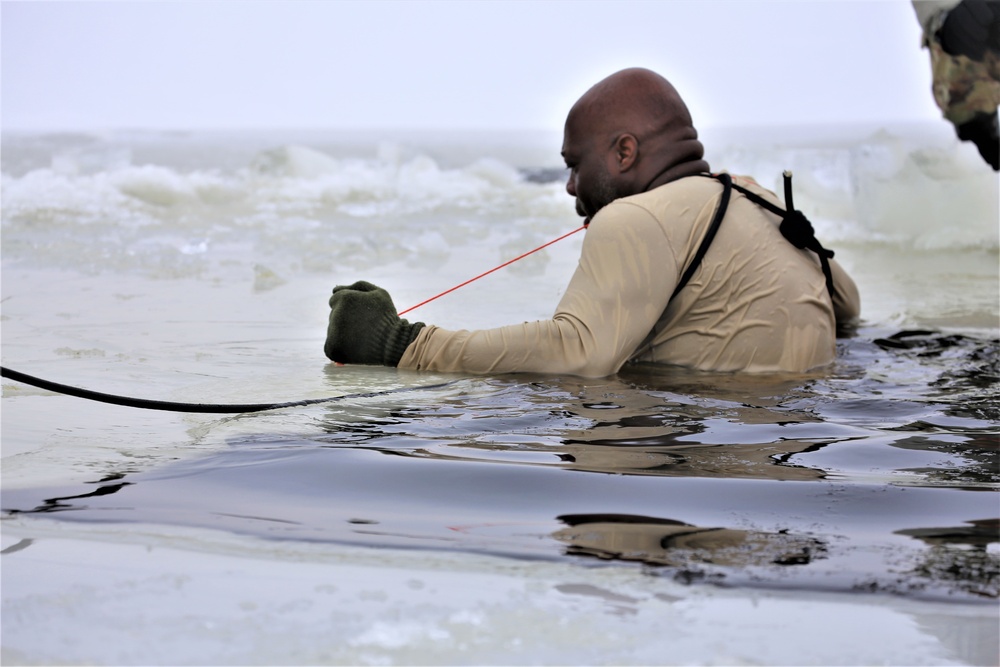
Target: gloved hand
[364,327]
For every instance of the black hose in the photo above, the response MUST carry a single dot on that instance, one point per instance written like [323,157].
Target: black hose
[171,406]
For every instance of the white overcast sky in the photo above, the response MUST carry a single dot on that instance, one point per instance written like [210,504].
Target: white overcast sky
[450,65]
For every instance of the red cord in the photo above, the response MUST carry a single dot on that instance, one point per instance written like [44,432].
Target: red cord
[403,312]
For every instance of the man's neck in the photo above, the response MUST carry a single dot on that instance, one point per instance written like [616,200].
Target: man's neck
[683,159]
[678,171]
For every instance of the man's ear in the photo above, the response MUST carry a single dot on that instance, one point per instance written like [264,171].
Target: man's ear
[626,151]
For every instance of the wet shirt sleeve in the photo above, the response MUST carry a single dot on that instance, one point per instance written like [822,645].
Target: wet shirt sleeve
[846,298]
[621,286]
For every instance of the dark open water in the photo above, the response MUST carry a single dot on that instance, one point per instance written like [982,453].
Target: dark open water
[856,479]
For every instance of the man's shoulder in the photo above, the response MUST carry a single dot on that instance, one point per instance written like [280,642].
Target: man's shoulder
[690,196]
[685,192]
[666,206]
[704,187]
[682,188]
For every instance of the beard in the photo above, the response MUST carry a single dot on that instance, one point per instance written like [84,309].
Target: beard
[599,195]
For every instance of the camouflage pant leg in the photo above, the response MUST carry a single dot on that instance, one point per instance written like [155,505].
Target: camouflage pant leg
[964,88]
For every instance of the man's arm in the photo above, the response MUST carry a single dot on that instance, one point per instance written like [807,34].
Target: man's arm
[625,276]
[846,298]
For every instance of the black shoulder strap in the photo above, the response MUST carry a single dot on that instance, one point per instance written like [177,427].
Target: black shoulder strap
[795,227]
[720,212]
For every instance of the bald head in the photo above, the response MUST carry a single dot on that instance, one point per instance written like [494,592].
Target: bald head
[637,101]
[637,124]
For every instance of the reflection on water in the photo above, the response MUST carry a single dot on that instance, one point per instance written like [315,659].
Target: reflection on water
[60,504]
[959,554]
[878,475]
[607,426]
[978,534]
[653,420]
[678,544]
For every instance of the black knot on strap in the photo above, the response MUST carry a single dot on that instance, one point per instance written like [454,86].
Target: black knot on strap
[798,231]
[795,227]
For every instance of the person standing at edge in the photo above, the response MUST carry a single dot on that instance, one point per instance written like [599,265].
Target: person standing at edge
[964,42]
[754,303]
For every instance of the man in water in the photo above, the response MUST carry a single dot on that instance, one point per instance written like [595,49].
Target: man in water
[754,302]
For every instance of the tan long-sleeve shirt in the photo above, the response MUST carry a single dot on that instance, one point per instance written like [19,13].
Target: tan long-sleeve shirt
[755,304]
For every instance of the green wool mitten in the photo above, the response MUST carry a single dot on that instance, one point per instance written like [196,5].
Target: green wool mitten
[364,327]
